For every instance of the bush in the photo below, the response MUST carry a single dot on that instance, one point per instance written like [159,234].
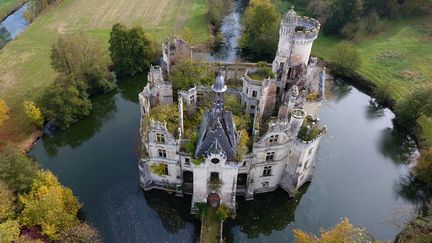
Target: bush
[4,110]
[412,107]
[346,57]
[243,145]
[382,94]
[423,168]
[33,113]
[222,212]
[342,232]
[49,205]
[189,73]
[7,202]
[9,231]
[165,113]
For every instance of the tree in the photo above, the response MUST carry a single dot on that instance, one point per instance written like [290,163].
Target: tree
[49,205]
[33,113]
[260,34]
[81,233]
[188,73]
[16,169]
[81,57]
[130,50]
[343,12]
[423,168]
[66,101]
[4,110]
[7,202]
[9,231]
[321,10]
[344,232]
[412,107]
[346,57]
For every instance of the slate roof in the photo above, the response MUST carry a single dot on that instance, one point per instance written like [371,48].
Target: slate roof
[212,128]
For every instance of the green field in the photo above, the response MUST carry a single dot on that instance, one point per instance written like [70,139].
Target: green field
[25,69]
[401,54]
[7,6]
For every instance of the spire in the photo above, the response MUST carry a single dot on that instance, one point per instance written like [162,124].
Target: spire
[218,88]
[219,85]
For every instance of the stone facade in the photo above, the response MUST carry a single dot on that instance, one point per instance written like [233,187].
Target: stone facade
[285,135]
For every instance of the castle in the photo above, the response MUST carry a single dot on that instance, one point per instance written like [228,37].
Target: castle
[282,141]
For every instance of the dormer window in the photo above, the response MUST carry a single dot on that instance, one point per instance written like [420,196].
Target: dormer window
[160,138]
[273,139]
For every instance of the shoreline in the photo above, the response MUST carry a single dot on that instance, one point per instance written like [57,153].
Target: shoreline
[367,86]
[12,11]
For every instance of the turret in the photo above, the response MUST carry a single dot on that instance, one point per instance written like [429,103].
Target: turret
[296,121]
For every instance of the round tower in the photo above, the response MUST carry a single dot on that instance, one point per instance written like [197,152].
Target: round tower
[296,37]
[296,121]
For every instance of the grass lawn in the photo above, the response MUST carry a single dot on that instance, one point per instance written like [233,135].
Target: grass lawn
[400,55]
[25,69]
[211,227]
[7,6]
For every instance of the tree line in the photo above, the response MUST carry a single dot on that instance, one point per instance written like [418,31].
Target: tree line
[34,206]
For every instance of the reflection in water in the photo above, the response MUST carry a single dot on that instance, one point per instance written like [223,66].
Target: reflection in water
[374,110]
[414,190]
[339,90]
[5,36]
[104,107]
[396,146]
[129,87]
[174,212]
[266,213]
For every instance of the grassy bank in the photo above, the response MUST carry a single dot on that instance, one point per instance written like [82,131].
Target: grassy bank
[211,227]
[401,55]
[8,6]
[25,69]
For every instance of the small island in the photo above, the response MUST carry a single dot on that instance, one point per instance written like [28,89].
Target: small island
[216,142]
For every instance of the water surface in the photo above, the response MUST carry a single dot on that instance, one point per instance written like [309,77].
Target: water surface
[13,25]
[358,175]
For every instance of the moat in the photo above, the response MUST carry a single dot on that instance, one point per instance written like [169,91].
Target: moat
[358,175]
[361,164]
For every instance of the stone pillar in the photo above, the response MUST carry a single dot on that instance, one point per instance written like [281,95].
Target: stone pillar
[180,107]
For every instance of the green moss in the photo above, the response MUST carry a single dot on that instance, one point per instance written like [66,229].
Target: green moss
[158,169]
[311,133]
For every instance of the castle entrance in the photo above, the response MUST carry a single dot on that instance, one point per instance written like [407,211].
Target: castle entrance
[213,199]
